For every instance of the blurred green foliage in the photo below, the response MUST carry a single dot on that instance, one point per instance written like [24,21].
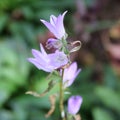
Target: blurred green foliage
[19,30]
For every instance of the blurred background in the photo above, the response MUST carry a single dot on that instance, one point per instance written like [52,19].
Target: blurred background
[96,23]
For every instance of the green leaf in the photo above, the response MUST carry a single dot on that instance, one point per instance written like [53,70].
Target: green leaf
[110,79]
[108,97]
[5,91]
[27,12]
[101,114]
[3,21]
[6,115]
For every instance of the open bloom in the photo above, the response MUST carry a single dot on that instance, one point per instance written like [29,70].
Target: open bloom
[70,74]
[74,104]
[56,25]
[48,62]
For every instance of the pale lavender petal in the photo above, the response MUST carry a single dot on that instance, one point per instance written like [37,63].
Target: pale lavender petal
[63,15]
[35,62]
[41,56]
[58,59]
[70,82]
[73,72]
[39,65]
[47,68]
[43,50]
[66,78]
[60,20]
[74,104]
[70,74]
[38,55]
[60,25]
[50,27]
[53,20]
[78,71]
[72,69]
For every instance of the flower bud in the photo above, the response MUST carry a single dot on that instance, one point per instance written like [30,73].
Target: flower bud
[74,104]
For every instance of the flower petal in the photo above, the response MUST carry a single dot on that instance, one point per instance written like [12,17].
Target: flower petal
[56,25]
[70,74]
[78,71]
[39,65]
[58,59]
[60,25]
[50,27]
[72,69]
[43,50]
[37,54]
[53,20]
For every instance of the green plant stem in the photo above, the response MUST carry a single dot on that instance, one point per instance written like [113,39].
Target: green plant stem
[62,98]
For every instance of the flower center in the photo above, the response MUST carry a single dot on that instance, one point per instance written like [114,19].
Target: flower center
[61,58]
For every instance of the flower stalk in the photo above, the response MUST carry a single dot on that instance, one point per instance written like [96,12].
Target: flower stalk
[62,97]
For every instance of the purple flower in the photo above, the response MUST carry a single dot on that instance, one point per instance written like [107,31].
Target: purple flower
[74,104]
[48,62]
[70,74]
[56,25]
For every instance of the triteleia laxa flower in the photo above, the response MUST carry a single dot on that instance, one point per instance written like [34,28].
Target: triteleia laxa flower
[70,74]
[74,104]
[48,62]
[56,25]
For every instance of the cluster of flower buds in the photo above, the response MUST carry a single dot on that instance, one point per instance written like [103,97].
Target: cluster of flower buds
[59,60]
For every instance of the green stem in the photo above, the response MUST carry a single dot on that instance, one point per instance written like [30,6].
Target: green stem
[62,98]
[64,47]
